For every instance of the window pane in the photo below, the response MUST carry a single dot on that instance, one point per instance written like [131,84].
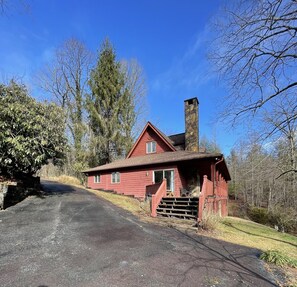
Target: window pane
[153,146]
[115,177]
[148,147]
[97,178]
[158,176]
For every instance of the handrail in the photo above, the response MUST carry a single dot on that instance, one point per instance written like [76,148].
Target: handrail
[202,198]
[157,197]
[215,202]
[206,191]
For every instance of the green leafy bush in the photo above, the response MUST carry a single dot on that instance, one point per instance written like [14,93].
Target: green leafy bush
[31,133]
[279,259]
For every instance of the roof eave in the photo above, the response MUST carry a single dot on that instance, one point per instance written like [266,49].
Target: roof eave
[152,163]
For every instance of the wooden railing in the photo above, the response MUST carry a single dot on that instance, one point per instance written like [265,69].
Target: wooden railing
[152,189]
[206,191]
[157,197]
[213,199]
[222,198]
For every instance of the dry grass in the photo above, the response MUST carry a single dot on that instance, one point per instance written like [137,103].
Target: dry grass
[245,232]
[251,234]
[209,222]
[66,180]
[128,203]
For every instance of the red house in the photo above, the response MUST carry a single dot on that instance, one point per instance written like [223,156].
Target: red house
[180,179]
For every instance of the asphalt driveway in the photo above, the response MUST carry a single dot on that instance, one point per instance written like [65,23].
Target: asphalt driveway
[70,237]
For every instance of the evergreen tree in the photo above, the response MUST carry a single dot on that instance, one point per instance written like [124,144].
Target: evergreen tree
[110,108]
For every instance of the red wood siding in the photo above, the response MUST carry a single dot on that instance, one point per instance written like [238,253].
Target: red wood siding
[149,135]
[133,182]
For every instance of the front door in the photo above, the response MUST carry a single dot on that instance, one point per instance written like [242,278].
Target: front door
[159,175]
[169,175]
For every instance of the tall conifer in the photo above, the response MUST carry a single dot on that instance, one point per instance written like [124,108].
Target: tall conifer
[109,106]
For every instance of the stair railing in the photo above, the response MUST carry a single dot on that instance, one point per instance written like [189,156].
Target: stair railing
[206,191]
[157,197]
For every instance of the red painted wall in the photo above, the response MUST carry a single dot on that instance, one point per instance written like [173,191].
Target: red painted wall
[149,135]
[133,182]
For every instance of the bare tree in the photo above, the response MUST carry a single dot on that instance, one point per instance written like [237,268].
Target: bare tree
[65,78]
[136,85]
[256,53]
[283,126]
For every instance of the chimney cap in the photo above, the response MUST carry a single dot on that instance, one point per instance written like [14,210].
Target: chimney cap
[191,99]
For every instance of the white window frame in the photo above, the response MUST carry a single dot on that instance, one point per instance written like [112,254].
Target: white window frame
[149,147]
[97,178]
[163,170]
[115,177]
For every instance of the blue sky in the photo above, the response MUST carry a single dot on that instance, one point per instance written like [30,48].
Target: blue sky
[168,38]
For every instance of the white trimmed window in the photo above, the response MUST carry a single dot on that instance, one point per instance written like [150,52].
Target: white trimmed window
[151,147]
[97,178]
[115,177]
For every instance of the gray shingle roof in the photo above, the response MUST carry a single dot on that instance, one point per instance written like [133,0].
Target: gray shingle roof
[151,159]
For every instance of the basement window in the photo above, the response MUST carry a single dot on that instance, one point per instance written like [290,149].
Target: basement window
[151,147]
[115,177]
[97,178]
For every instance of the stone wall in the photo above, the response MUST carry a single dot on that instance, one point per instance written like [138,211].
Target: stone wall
[3,191]
[12,193]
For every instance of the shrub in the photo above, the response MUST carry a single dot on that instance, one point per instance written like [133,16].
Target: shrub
[31,133]
[209,221]
[258,214]
[279,259]
[285,221]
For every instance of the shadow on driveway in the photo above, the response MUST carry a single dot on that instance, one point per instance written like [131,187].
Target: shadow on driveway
[53,188]
[234,258]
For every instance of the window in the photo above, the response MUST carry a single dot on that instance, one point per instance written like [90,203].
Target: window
[115,177]
[150,147]
[159,175]
[97,178]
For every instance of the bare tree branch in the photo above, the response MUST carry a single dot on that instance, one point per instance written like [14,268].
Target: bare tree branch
[286,172]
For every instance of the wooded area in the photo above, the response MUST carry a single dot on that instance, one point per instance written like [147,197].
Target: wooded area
[103,101]
[92,120]
[255,54]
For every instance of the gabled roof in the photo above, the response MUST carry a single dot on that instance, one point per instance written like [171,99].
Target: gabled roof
[165,139]
[152,159]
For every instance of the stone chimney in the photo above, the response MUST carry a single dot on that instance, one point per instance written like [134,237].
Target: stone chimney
[192,125]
